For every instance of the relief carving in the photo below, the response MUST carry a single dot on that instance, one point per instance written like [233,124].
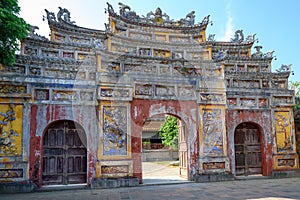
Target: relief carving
[283,134]
[213,131]
[114,130]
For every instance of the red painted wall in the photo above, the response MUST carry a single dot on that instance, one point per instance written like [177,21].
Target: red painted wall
[262,118]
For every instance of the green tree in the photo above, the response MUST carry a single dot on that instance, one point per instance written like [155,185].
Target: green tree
[295,85]
[12,29]
[169,132]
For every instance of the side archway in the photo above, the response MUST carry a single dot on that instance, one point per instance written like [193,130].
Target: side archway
[248,149]
[64,154]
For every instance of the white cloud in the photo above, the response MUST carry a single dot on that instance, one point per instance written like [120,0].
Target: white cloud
[228,33]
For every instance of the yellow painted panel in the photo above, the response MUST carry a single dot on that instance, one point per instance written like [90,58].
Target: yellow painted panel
[11,129]
[115,140]
[212,130]
[283,131]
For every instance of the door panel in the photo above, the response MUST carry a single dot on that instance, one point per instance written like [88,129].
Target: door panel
[182,150]
[247,150]
[64,155]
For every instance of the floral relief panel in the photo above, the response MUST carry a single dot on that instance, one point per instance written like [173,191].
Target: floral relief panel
[212,131]
[283,132]
[11,129]
[114,129]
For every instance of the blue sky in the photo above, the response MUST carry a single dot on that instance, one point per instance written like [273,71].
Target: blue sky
[276,23]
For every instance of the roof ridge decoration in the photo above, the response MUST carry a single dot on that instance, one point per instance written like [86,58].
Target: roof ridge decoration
[154,18]
[62,15]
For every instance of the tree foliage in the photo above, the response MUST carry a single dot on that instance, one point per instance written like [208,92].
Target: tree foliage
[295,85]
[12,29]
[169,132]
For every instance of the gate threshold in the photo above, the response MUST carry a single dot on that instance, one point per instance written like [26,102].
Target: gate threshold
[154,181]
[249,177]
[62,187]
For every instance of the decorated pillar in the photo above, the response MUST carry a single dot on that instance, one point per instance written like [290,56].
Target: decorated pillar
[14,137]
[114,148]
[285,154]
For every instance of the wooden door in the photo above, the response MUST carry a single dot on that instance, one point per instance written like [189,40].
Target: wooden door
[247,150]
[64,154]
[182,150]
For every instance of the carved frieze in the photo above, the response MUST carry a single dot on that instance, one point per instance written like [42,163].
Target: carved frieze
[186,92]
[114,169]
[164,91]
[278,100]
[68,55]
[286,162]
[59,38]
[12,89]
[41,94]
[114,93]
[248,102]
[209,97]
[11,173]
[143,89]
[17,69]
[64,95]
[262,103]
[35,71]
[231,102]
[140,36]
[86,96]
[213,165]
[32,51]
[49,53]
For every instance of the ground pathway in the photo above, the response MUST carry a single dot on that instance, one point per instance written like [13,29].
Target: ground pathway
[162,182]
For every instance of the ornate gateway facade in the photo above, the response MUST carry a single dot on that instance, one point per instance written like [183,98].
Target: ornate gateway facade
[73,107]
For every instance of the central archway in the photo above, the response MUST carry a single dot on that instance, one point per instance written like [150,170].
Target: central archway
[165,159]
[64,154]
[185,111]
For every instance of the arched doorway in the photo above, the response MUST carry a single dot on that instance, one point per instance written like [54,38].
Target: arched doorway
[161,161]
[247,145]
[64,154]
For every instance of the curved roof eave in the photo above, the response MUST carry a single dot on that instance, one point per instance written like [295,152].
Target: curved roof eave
[65,26]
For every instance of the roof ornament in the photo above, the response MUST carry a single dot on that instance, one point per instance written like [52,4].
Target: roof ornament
[250,38]
[238,36]
[125,11]
[65,13]
[211,38]
[109,9]
[189,19]
[50,16]
[269,54]
[258,53]
[33,34]
[158,17]
[284,68]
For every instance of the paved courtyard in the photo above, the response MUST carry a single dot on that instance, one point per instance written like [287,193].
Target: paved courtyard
[276,189]
[162,182]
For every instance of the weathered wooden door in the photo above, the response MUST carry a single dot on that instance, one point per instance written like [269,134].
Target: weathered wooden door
[247,146]
[64,154]
[182,150]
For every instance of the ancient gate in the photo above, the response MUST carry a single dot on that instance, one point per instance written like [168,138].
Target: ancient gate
[64,154]
[247,144]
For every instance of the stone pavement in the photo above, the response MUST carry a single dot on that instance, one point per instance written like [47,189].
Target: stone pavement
[262,189]
[162,182]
